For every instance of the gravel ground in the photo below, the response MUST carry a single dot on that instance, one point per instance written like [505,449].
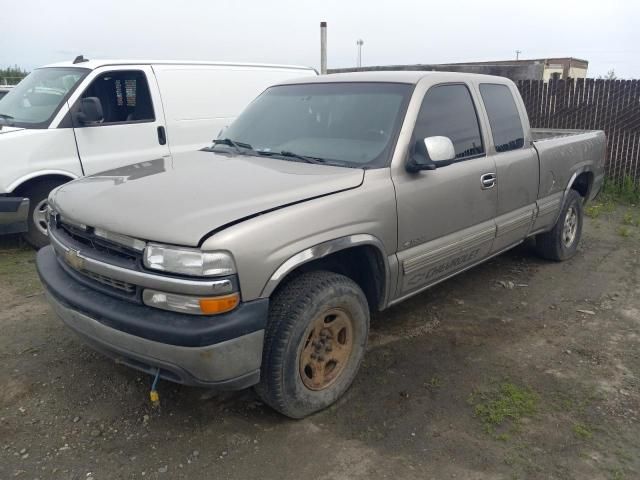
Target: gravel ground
[519,368]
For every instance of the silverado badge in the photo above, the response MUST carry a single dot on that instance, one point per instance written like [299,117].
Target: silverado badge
[74,259]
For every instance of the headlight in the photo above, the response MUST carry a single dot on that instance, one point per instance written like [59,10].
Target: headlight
[188,261]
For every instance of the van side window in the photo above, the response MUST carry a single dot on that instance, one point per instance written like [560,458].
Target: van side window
[448,110]
[504,119]
[124,96]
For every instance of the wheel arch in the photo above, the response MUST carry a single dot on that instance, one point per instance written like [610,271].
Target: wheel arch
[581,181]
[360,257]
[25,182]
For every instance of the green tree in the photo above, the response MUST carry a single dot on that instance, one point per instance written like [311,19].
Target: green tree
[611,75]
[12,75]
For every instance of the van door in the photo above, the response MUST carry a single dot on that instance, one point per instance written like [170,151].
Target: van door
[517,169]
[132,126]
[446,216]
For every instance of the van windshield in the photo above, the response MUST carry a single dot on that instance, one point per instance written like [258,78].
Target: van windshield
[349,124]
[38,97]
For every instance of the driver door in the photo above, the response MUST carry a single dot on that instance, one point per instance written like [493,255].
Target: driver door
[132,129]
[446,216]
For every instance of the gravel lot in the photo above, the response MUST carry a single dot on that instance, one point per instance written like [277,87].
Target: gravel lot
[519,368]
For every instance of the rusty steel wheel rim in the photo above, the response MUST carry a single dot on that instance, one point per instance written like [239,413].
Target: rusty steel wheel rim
[327,349]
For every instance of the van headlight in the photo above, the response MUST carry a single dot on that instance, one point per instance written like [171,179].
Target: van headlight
[188,261]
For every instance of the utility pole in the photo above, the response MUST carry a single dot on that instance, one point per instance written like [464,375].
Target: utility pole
[323,48]
[518,52]
[360,42]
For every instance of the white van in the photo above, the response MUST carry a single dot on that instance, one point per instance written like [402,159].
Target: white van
[78,118]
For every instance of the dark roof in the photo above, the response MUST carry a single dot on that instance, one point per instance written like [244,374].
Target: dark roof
[520,61]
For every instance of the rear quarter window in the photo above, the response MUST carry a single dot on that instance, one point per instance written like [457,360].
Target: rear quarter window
[504,119]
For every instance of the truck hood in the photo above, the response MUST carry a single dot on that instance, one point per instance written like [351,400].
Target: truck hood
[180,199]
[7,129]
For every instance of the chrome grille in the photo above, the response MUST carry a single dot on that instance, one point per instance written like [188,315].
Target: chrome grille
[98,244]
[110,282]
[117,267]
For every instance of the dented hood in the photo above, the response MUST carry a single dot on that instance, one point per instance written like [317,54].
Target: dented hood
[180,199]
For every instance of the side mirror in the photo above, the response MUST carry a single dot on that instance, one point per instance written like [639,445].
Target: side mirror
[222,130]
[431,153]
[89,112]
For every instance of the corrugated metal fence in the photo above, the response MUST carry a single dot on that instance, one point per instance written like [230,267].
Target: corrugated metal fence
[609,105]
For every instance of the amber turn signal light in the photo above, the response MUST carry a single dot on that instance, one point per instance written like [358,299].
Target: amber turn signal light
[216,305]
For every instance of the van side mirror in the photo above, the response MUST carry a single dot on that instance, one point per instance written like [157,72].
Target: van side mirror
[89,112]
[222,130]
[431,153]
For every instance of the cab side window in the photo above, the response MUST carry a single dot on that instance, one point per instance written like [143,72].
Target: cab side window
[124,96]
[448,111]
[504,119]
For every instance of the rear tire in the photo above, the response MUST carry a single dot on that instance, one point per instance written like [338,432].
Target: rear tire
[315,341]
[36,235]
[561,242]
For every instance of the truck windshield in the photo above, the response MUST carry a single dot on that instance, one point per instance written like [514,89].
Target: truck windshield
[348,124]
[38,97]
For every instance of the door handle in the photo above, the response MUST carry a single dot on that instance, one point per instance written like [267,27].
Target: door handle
[487,181]
[162,136]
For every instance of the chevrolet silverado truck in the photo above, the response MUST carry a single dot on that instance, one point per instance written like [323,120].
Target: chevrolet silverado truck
[257,261]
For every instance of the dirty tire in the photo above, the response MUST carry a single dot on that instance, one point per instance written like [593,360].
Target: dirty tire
[37,194]
[554,245]
[296,313]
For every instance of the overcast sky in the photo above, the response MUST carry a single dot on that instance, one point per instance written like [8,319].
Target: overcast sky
[604,32]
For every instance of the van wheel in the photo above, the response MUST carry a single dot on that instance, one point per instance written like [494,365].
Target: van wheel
[561,242]
[315,340]
[37,235]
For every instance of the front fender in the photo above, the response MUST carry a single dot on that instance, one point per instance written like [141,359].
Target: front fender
[323,250]
[30,153]
[268,247]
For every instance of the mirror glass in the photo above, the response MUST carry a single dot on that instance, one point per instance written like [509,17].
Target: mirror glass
[440,148]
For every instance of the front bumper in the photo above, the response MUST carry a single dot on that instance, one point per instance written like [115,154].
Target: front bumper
[14,214]
[222,351]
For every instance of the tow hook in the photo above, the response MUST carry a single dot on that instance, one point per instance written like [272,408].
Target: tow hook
[153,394]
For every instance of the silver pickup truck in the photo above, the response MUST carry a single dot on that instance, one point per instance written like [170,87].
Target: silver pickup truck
[257,260]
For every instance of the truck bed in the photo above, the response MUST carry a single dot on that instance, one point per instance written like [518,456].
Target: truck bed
[540,134]
[563,153]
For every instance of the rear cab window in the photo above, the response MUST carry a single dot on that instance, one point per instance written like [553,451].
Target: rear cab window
[448,110]
[504,118]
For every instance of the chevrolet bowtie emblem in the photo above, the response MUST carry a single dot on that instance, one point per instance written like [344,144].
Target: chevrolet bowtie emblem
[74,259]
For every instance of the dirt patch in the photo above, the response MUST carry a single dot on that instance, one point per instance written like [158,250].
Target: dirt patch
[546,354]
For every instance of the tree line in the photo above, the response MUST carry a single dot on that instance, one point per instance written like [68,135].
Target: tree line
[12,75]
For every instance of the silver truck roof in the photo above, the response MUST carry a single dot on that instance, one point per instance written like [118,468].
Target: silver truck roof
[96,63]
[396,76]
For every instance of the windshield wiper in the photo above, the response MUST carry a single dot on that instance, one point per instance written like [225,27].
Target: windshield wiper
[288,154]
[239,146]
[5,120]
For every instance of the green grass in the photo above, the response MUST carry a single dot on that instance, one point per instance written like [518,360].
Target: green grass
[625,191]
[624,231]
[617,474]
[582,431]
[504,407]
[17,270]
[603,205]
[435,382]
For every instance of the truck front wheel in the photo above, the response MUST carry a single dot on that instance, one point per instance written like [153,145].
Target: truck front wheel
[315,341]
[561,242]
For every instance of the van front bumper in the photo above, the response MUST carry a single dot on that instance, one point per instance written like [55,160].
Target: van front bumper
[14,214]
[187,349]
